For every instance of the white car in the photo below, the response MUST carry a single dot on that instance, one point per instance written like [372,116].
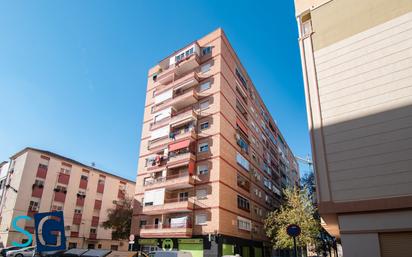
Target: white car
[23,252]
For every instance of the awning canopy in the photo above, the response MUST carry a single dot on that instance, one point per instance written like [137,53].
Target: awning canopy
[179,145]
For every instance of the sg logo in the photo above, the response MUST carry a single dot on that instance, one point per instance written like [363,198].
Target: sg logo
[49,231]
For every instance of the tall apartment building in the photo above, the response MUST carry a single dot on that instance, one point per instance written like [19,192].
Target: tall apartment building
[357,66]
[42,181]
[212,160]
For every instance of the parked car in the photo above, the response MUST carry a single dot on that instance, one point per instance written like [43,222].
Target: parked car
[23,252]
[4,251]
[170,254]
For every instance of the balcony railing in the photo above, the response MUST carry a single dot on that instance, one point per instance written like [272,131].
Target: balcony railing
[176,71]
[171,230]
[171,182]
[170,205]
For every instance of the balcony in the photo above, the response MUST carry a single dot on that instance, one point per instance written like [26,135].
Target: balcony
[170,206]
[180,159]
[74,234]
[171,182]
[63,178]
[181,99]
[184,116]
[166,230]
[93,236]
[173,72]
[173,136]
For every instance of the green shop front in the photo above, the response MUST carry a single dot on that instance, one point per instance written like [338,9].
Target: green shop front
[206,246]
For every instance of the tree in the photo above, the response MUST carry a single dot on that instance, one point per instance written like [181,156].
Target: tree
[119,219]
[297,209]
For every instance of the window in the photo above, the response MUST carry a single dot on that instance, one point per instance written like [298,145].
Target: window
[267,183]
[206,50]
[243,203]
[65,170]
[203,147]
[39,183]
[92,231]
[201,194]
[201,219]
[72,245]
[78,211]
[205,67]
[204,105]
[240,76]
[183,196]
[243,182]
[57,208]
[242,161]
[34,206]
[84,177]
[244,224]
[43,166]
[202,169]
[204,125]
[242,143]
[142,223]
[204,86]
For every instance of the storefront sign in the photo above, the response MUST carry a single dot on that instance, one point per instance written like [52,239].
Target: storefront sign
[191,241]
[147,241]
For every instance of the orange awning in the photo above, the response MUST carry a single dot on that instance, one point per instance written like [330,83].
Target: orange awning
[179,145]
[242,127]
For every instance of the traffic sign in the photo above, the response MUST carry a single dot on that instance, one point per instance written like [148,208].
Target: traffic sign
[293,230]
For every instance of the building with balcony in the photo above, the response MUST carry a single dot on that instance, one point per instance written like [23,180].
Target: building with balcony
[357,65]
[41,181]
[212,161]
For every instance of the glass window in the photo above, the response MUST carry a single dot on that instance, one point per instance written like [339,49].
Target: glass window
[204,105]
[201,219]
[204,86]
[203,147]
[206,50]
[204,125]
[202,169]
[201,194]
[243,203]
[242,161]
[205,67]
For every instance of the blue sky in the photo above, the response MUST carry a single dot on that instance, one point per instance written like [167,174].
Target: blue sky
[73,73]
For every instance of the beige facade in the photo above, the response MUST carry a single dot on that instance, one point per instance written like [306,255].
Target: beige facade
[42,181]
[212,160]
[357,66]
